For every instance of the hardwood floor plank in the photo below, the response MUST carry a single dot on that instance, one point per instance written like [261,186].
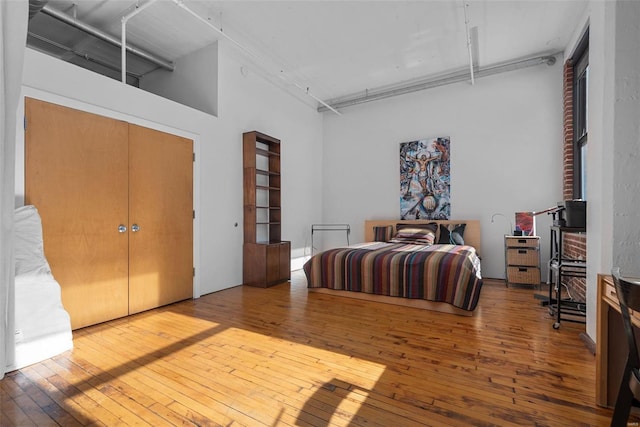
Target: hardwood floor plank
[196,418]
[67,411]
[32,411]
[173,418]
[103,403]
[284,357]
[12,414]
[171,386]
[48,399]
[9,388]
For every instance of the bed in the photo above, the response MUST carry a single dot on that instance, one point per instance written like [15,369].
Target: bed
[432,265]
[42,325]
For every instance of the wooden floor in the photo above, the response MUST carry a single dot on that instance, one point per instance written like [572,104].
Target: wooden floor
[281,356]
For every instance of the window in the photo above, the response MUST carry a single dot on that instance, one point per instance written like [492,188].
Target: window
[580,123]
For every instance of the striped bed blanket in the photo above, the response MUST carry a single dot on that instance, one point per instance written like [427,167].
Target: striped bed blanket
[439,273]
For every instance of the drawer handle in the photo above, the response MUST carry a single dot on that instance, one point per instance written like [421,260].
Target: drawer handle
[522,269]
[522,240]
[522,251]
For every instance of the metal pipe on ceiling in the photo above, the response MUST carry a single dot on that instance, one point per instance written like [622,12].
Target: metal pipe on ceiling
[466,24]
[61,16]
[82,55]
[417,85]
[123,47]
[255,56]
[35,6]
[123,52]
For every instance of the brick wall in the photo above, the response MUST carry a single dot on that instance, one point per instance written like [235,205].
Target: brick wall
[575,245]
[567,150]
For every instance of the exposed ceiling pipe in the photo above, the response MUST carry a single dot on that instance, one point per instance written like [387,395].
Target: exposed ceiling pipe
[123,47]
[255,56]
[67,19]
[417,85]
[36,6]
[466,24]
[82,55]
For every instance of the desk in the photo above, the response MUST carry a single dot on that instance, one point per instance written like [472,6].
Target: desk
[611,342]
[561,267]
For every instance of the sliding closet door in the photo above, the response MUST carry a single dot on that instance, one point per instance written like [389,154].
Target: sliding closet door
[76,176]
[161,205]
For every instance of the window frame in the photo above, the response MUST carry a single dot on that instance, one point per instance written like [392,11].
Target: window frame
[580,61]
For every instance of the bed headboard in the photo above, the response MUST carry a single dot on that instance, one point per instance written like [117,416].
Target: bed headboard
[471,231]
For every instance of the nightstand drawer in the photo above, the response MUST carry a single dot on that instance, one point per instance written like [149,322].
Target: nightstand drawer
[522,260]
[523,256]
[523,275]
[521,242]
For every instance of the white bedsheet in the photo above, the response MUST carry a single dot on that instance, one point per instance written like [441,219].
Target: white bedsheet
[43,327]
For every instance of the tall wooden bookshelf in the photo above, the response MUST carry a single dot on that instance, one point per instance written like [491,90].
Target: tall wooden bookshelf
[266,257]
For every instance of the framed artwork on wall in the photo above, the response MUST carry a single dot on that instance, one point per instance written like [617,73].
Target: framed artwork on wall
[425,179]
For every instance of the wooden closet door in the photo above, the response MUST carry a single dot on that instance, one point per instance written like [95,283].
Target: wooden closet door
[76,167]
[161,204]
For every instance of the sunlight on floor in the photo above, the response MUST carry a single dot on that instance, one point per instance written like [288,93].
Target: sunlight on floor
[341,389]
[332,384]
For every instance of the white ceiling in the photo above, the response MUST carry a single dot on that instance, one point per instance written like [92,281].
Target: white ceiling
[338,48]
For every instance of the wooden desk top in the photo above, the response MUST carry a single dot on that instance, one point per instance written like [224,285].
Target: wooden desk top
[608,345]
[608,295]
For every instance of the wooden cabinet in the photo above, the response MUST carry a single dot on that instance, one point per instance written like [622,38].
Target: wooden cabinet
[266,257]
[116,202]
[522,260]
[266,264]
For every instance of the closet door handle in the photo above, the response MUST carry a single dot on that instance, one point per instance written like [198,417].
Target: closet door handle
[122,228]
[135,227]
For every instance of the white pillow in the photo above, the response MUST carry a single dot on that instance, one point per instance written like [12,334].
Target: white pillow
[29,248]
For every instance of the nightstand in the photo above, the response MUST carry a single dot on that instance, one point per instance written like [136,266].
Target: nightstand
[522,260]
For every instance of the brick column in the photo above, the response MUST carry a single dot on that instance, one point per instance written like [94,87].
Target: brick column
[575,245]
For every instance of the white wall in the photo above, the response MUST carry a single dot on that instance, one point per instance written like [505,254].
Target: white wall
[193,82]
[506,154]
[245,103]
[626,139]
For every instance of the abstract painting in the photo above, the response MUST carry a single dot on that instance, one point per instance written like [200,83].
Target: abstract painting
[425,179]
[526,222]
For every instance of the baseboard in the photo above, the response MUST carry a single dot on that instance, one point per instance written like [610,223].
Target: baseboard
[588,342]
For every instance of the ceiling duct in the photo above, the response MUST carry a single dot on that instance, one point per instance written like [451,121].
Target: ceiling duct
[36,6]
